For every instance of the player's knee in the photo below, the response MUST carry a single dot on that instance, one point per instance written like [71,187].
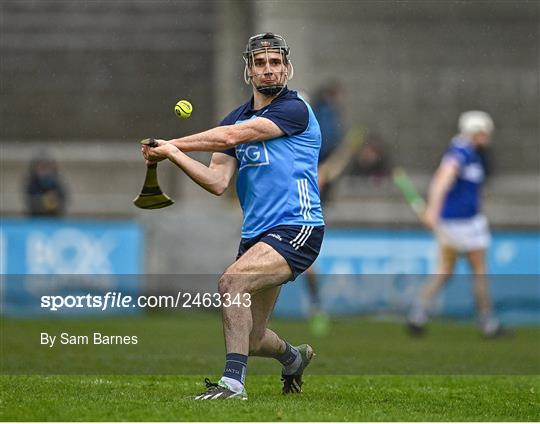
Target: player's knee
[225,284]
[230,283]
[478,269]
[447,272]
[446,275]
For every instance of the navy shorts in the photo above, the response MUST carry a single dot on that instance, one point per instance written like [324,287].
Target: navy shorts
[298,244]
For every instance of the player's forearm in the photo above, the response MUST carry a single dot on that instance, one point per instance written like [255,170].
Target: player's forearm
[435,201]
[438,190]
[227,136]
[213,140]
[205,177]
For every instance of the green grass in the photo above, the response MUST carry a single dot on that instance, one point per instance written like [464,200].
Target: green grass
[365,370]
[326,398]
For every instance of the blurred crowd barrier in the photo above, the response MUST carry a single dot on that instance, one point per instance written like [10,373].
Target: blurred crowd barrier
[104,177]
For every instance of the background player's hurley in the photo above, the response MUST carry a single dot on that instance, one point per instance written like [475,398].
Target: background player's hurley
[336,164]
[407,188]
[405,185]
[151,196]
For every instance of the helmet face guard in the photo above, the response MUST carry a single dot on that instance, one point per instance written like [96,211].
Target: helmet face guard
[265,43]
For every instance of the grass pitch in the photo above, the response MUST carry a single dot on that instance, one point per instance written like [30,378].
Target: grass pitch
[326,398]
[366,370]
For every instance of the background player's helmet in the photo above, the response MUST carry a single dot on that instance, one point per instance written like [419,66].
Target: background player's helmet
[265,42]
[475,121]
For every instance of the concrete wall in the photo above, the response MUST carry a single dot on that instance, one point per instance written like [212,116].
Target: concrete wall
[104,177]
[87,70]
[104,70]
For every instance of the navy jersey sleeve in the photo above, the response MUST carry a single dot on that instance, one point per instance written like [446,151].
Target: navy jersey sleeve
[291,116]
[230,152]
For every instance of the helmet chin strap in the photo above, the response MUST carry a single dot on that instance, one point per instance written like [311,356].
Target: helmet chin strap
[270,90]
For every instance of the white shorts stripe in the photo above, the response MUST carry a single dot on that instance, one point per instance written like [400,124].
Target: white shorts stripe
[293,242]
[303,239]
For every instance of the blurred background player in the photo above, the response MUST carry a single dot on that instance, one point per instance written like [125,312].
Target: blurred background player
[453,211]
[45,192]
[327,111]
[340,153]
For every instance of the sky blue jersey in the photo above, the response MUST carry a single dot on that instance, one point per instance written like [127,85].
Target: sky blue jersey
[277,178]
[463,199]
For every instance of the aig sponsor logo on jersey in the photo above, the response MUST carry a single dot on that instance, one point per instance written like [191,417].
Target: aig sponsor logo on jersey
[473,173]
[252,154]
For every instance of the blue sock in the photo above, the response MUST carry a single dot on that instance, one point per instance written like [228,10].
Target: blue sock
[236,367]
[290,359]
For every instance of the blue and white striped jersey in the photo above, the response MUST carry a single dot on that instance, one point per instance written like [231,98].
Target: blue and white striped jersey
[277,178]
